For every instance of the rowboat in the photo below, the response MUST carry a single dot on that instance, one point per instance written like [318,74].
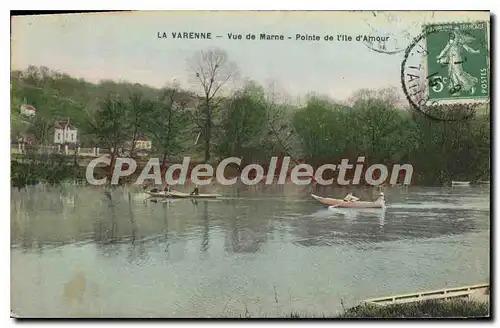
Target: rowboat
[340,203]
[177,194]
[460,183]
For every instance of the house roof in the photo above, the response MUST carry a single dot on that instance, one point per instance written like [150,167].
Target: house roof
[28,138]
[142,138]
[28,107]
[62,124]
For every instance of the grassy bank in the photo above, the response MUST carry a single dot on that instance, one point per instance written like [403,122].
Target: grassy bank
[36,168]
[424,309]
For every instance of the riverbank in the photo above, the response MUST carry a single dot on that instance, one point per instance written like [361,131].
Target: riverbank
[44,168]
[424,309]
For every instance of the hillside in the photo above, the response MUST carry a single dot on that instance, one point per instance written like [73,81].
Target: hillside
[60,96]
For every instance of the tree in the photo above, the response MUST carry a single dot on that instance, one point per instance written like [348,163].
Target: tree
[316,129]
[243,122]
[212,71]
[381,125]
[166,121]
[280,136]
[137,112]
[108,125]
[40,129]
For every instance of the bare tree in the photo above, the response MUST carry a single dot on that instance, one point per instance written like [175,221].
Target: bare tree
[212,71]
[278,120]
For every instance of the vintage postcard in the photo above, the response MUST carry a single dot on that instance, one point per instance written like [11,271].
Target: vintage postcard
[249,164]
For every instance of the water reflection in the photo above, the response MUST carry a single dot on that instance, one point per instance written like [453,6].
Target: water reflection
[246,226]
[237,248]
[112,218]
[206,228]
[329,226]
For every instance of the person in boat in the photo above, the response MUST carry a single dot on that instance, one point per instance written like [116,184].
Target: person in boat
[350,198]
[381,197]
[196,191]
[167,188]
[147,185]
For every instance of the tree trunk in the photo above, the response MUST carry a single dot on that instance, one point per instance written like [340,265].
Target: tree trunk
[207,149]
[208,133]
[112,165]
[164,160]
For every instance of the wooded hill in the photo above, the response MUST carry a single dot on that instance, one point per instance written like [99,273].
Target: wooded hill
[251,124]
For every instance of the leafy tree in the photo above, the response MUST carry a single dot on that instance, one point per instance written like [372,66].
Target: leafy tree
[41,129]
[108,126]
[136,117]
[166,122]
[243,122]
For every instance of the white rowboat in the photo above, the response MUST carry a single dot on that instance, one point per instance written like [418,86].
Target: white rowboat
[460,183]
[177,194]
[340,203]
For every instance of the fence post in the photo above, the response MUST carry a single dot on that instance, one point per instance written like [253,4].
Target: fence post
[97,151]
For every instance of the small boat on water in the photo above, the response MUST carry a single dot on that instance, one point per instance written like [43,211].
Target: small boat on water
[460,183]
[340,203]
[177,194]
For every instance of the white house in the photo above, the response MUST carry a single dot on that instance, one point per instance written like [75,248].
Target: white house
[64,132]
[143,143]
[28,110]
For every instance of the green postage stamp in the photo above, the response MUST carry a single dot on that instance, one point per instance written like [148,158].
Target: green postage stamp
[457,61]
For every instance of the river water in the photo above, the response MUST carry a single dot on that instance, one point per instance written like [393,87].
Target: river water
[77,252]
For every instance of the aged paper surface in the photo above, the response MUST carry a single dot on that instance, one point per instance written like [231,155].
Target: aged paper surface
[250,164]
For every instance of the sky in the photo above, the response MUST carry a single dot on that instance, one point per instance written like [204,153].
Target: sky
[125,46]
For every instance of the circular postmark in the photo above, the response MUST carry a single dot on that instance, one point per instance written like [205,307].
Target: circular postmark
[394,33]
[445,70]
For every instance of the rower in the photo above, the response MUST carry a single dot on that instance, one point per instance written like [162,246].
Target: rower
[196,191]
[350,198]
[167,188]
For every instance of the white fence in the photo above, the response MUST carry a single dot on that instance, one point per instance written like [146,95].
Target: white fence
[473,291]
[87,152]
